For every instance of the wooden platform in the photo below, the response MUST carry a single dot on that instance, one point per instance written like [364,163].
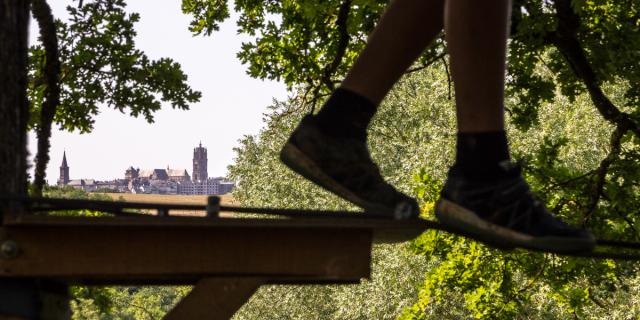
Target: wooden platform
[228,258]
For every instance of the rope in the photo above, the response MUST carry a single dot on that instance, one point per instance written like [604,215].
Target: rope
[118,209]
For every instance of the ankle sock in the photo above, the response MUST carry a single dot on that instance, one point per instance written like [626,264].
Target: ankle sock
[346,115]
[479,154]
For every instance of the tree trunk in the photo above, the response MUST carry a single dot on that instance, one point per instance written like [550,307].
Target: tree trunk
[19,299]
[14,111]
[42,14]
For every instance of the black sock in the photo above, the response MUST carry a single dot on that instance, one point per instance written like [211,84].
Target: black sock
[479,154]
[346,115]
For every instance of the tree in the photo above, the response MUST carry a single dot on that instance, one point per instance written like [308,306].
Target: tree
[569,62]
[28,298]
[13,104]
[99,58]
[99,64]
[313,43]
[521,284]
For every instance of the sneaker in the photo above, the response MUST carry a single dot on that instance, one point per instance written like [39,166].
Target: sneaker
[506,214]
[344,167]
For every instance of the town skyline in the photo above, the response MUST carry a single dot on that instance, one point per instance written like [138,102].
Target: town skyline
[155,180]
[64,161]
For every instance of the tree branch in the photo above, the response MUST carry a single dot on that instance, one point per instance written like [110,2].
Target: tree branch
[603,168]
[149,314]
[595,300]
[535,277]
[449,80]
[566,41]
[554,184]
[343,42]
[629,222]
[427,64]
[42,13]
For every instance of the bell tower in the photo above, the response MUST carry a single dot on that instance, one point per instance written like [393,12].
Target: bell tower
[199,164]
[64,171]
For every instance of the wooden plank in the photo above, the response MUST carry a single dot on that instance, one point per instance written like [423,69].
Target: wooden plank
[215,299]
[385,230]
[121,253]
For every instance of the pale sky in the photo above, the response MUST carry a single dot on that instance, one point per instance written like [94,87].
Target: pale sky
[232,104]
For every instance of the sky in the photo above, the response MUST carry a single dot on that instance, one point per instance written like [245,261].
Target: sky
[232,104]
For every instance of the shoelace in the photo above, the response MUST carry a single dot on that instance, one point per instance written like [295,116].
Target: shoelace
[511,200]
[525,207]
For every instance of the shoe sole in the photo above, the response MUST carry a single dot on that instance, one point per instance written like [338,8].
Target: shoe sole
[467,223]
[297,161]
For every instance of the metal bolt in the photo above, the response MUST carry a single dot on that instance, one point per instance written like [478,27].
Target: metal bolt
[163,212]
[213,207]
[9,249]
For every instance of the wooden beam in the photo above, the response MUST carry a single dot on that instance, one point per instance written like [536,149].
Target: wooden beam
[103,251]
[215,298]
[385,230]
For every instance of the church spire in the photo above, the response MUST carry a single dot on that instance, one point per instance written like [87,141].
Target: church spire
[64,160]
[64,171]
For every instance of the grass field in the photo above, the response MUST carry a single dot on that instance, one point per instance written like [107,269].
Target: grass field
[226,199]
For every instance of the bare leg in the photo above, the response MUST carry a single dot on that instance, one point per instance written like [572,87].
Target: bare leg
[404,31]
[485,197]
[330,147]
[476,33]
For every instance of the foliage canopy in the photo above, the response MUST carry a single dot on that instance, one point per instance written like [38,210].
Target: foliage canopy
[303,42]
[100,64]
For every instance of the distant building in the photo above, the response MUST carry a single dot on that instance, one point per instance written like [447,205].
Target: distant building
[154,174]
[87,185]
[178,175]
[162,187]
[131,173]
[118,185]
[211,186]
[199,164]
[64,171]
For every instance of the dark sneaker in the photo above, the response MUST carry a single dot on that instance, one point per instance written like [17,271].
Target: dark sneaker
[344,167]
[506,214]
